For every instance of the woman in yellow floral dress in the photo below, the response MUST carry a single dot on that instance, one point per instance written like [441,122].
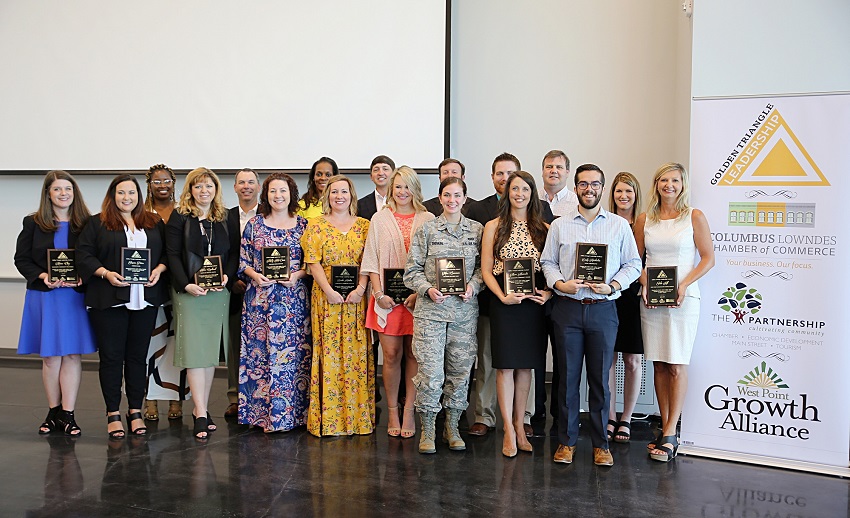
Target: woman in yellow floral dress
[342,381]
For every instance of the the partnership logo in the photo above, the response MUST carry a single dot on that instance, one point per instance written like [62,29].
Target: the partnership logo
[769,154]
[740,300]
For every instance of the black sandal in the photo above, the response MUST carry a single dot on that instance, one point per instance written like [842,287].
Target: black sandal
[610,433]
[65,421]
[200,427]
[49,423]
[142,430]
[669,452]
[115,434]
[627,434]
[211,427]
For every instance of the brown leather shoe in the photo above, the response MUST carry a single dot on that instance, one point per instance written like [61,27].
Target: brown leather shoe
[602,457]
[479,429]
[529,431]
[564,454]
[232,410]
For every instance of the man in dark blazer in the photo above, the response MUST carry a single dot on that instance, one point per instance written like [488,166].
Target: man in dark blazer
[484,393]
[247,187]
[381,170]
[448,168]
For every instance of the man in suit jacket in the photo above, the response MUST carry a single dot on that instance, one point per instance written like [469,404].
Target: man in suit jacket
[381,170]
[247,187]
[448,168]
[484,394]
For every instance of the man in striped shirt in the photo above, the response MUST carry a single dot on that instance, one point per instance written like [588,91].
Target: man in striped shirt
[584,314]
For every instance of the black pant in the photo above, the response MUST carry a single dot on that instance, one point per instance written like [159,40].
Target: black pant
[123,337]
[540,382]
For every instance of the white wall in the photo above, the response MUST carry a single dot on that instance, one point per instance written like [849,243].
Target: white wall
[763,47]
[607,82]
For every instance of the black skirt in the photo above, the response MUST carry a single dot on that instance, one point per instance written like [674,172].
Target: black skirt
[629,338]
[518,337]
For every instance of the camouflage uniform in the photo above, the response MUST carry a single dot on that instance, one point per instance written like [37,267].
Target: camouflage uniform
[444,342]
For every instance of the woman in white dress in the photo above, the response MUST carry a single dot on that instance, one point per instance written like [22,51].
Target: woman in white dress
[671,233]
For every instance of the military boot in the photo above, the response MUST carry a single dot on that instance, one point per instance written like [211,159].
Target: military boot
[429,432]
[451,435]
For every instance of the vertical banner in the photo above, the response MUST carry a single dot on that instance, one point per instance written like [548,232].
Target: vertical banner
[770,373]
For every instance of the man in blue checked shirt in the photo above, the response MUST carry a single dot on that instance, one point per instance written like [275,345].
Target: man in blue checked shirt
[584,314]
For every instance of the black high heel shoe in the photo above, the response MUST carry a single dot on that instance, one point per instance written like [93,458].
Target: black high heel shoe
[49,423]
[669,451]
[65,422]
[115,434]
[211,427]
[142,430]
[200,427]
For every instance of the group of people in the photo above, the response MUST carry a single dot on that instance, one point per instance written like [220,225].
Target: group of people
[301,351]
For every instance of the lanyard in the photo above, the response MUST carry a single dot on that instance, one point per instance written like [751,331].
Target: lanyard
[209,237]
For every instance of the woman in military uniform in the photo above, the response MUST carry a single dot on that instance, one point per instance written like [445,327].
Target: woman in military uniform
[444,325]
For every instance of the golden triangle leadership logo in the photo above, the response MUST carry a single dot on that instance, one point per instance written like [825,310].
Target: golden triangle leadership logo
[770,154]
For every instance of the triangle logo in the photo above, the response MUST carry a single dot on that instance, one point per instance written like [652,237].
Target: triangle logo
[774,157]
[661,275]
[591,251]
[136,255]
[207,262]
[62,255]
[275,253]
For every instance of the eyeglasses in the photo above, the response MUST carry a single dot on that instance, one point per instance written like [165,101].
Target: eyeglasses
[162,182]
[595,185]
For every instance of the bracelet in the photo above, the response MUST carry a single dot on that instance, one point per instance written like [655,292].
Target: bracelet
[105,274]
[375,293]
[379,298]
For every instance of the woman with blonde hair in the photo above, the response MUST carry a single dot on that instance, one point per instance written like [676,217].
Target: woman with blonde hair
[671,233]
[625,202]
[197,229]
[342,381]
[54,324]
[386,250]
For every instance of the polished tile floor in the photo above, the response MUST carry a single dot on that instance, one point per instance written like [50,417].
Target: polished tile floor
[243,472]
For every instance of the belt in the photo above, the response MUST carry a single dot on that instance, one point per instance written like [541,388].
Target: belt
[586,300]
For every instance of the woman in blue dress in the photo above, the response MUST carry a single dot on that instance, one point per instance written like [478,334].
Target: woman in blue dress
[275,354]
[54,323]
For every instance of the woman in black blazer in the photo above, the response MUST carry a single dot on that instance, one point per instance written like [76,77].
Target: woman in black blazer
[197,229]
[54,324]
[122,314]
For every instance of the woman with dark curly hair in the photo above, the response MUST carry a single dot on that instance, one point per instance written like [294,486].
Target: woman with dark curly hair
[275,353]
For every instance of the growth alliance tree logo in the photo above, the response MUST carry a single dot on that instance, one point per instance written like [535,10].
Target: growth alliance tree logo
[740,300]
[763,377]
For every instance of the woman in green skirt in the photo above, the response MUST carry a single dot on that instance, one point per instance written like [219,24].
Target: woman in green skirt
[196,234]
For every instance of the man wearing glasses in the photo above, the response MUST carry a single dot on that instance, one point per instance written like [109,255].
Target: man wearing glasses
[584,314]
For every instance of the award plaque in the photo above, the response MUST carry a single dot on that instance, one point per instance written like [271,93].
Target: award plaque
[451,275]
[61,265]
[276,263]
[590,262]
[344,278]
[136,265]
[662,286]
[519,276]
[394,285]
[210,275]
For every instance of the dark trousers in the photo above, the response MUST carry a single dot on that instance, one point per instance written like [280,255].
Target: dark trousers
[584,334]
[540,382]
[123,337]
